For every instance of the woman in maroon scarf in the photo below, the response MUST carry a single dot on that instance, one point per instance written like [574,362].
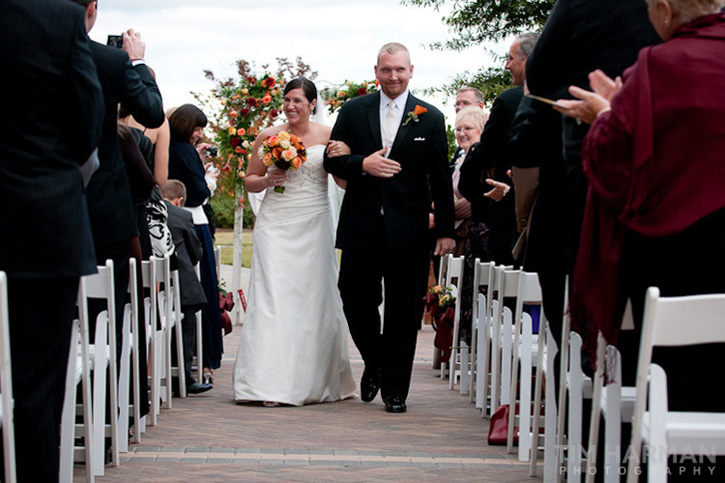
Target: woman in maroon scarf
[655,216]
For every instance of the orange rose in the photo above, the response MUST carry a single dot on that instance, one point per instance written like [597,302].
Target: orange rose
[234,113]
[238,149]
[267,159]
[267,99]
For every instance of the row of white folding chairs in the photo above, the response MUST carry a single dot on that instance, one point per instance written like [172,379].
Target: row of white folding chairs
[696,435]
[100,359]
[645,405]
[499,342]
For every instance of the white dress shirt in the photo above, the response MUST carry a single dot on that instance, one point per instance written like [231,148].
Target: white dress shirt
[400,102]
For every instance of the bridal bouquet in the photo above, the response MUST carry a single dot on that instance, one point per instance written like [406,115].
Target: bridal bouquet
[283,150]
[440,302]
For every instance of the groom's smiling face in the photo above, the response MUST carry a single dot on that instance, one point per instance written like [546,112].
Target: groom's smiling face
[394,72]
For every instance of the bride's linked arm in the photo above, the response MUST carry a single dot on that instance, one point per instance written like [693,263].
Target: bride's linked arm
[259,177]
[334,149]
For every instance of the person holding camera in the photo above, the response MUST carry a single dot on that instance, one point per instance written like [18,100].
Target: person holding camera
[186,164]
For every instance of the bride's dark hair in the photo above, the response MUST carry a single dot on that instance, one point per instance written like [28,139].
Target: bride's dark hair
[307,86]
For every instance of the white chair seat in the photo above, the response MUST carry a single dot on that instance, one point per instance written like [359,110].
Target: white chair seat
[691,430]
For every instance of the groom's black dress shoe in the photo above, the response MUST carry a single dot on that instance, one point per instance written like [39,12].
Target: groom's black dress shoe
[198,388]
[395,404]
[369,385]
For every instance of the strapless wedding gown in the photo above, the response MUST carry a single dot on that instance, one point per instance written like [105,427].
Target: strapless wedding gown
[294,347]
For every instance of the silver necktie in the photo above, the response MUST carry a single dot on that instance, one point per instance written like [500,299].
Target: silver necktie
[390,125]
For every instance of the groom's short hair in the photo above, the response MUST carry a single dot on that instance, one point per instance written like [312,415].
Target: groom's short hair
[394,48]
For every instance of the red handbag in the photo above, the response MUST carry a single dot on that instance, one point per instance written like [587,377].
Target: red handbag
[498,431]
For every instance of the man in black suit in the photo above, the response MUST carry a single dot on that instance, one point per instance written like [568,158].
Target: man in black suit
[51,125]
[398,144]
[124,79]
[488,158]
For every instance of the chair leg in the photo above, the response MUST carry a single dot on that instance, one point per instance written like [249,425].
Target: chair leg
[180,364]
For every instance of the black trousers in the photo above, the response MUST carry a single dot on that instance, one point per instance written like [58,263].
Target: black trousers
[41,312]
[405,277]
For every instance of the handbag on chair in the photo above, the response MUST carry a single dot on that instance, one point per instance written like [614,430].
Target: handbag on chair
[498,430]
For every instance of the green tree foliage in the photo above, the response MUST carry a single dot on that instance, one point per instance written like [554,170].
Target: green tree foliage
[473,22]
[476,21]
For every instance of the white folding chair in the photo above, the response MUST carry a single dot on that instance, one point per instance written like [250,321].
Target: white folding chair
[613,402]
[528,351]
[148,275]
[574,389]
[669,432]
[197,359]
[104,367]
[483,274]
[169,311]
[128,382]
[545,380]
[6,385]
[507,285]
[78,374]
[457,363]
[179,370]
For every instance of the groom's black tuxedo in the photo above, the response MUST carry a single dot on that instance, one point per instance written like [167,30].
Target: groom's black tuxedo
[383,231]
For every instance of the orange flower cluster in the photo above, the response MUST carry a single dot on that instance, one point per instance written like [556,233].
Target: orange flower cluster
[248,107]
[283,150]
[335,98]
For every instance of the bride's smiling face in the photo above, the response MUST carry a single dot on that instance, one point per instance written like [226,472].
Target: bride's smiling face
[296,106]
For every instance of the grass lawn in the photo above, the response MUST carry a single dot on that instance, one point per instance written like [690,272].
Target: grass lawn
[224,238]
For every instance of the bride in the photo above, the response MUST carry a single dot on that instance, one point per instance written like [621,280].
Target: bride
[293,348]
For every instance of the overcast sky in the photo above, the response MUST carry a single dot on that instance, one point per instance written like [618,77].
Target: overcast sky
[338,38]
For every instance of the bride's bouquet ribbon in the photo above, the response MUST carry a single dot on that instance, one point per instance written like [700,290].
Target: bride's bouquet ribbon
[283,150]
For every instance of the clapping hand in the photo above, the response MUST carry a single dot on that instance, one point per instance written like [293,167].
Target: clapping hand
[378,165]
[592,104]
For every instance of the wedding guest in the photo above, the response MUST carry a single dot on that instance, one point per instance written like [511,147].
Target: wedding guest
[488,160]
[383,228]
[578,37]
[466,96]
[124,78]
[294,344]
[188,253]
[186,164]
[51,127]
[471,234]
[640,223]
[653,158]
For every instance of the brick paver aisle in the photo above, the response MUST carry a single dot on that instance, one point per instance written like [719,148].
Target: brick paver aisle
[208,438]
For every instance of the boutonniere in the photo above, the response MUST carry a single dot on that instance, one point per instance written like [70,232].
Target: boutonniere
[415,113]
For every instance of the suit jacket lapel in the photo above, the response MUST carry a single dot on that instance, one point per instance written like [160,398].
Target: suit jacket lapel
[404,130]
[373,111]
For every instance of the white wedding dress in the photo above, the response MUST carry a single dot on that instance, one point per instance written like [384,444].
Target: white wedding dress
[294,347]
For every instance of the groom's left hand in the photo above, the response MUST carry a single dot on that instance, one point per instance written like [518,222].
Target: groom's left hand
[444,246]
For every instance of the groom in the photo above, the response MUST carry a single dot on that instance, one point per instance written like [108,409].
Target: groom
[398,161]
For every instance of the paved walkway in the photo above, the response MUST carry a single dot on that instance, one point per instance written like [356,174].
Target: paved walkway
[209,438]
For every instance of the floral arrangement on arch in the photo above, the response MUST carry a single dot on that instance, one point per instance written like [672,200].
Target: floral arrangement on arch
[441,304]
[248,107]
[335,98]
